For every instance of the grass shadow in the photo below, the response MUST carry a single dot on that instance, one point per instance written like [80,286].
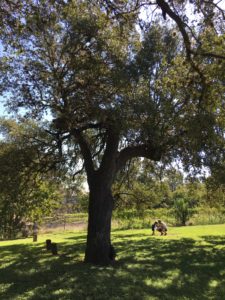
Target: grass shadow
[147,268]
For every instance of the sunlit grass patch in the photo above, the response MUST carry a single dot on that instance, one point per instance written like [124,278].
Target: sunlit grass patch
[188,263]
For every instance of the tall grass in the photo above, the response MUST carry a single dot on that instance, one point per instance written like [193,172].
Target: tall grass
[133,219]
[208,215]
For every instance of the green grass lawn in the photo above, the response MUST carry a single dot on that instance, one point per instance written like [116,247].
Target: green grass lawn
[188,263]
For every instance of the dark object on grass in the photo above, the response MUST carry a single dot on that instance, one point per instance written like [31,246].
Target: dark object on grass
[48,244]
[34,237]
[54,248]
[112,253]
[154,227]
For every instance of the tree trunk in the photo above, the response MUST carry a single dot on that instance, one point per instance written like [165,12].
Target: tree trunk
[99,223]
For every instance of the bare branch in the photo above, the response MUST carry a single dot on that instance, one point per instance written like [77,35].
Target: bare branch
[181,25]
[78,172]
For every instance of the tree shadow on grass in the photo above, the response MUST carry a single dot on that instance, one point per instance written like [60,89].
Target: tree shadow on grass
[215,240]
[147,268]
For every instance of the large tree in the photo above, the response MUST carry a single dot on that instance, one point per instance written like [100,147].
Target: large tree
[114,91]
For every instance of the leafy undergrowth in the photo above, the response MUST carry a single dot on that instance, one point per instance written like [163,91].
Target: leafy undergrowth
[188,263]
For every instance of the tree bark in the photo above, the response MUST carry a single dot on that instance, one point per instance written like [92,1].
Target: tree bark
[98,248]
[99,223]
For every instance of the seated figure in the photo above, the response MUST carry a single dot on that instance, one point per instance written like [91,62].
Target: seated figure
[162,227]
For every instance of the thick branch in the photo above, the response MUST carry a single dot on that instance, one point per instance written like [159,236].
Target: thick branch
[138,151]
[210,54]
[121,11]
[90,125]
[112,142]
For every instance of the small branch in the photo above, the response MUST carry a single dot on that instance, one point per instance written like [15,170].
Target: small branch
[210,54]
[122,13]
[78,172]
[100,150]
[181,25]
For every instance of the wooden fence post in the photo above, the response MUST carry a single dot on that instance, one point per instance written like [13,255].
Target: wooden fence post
[48,244]
[54,248]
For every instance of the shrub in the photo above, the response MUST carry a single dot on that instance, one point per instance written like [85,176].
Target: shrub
[182,211]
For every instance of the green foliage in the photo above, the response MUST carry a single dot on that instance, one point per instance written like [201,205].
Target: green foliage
[182,211]
[131,218]
[152,185]
[25,193]
[83,201]
[83,60]
[205,215]
[215,188]
[142,186]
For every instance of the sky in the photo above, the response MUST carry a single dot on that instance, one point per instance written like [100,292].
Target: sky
[2,109]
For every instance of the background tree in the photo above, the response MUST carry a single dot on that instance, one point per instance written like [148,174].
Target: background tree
[215,192]
[142,185]
[26,194]
[182,211]
[113,97]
